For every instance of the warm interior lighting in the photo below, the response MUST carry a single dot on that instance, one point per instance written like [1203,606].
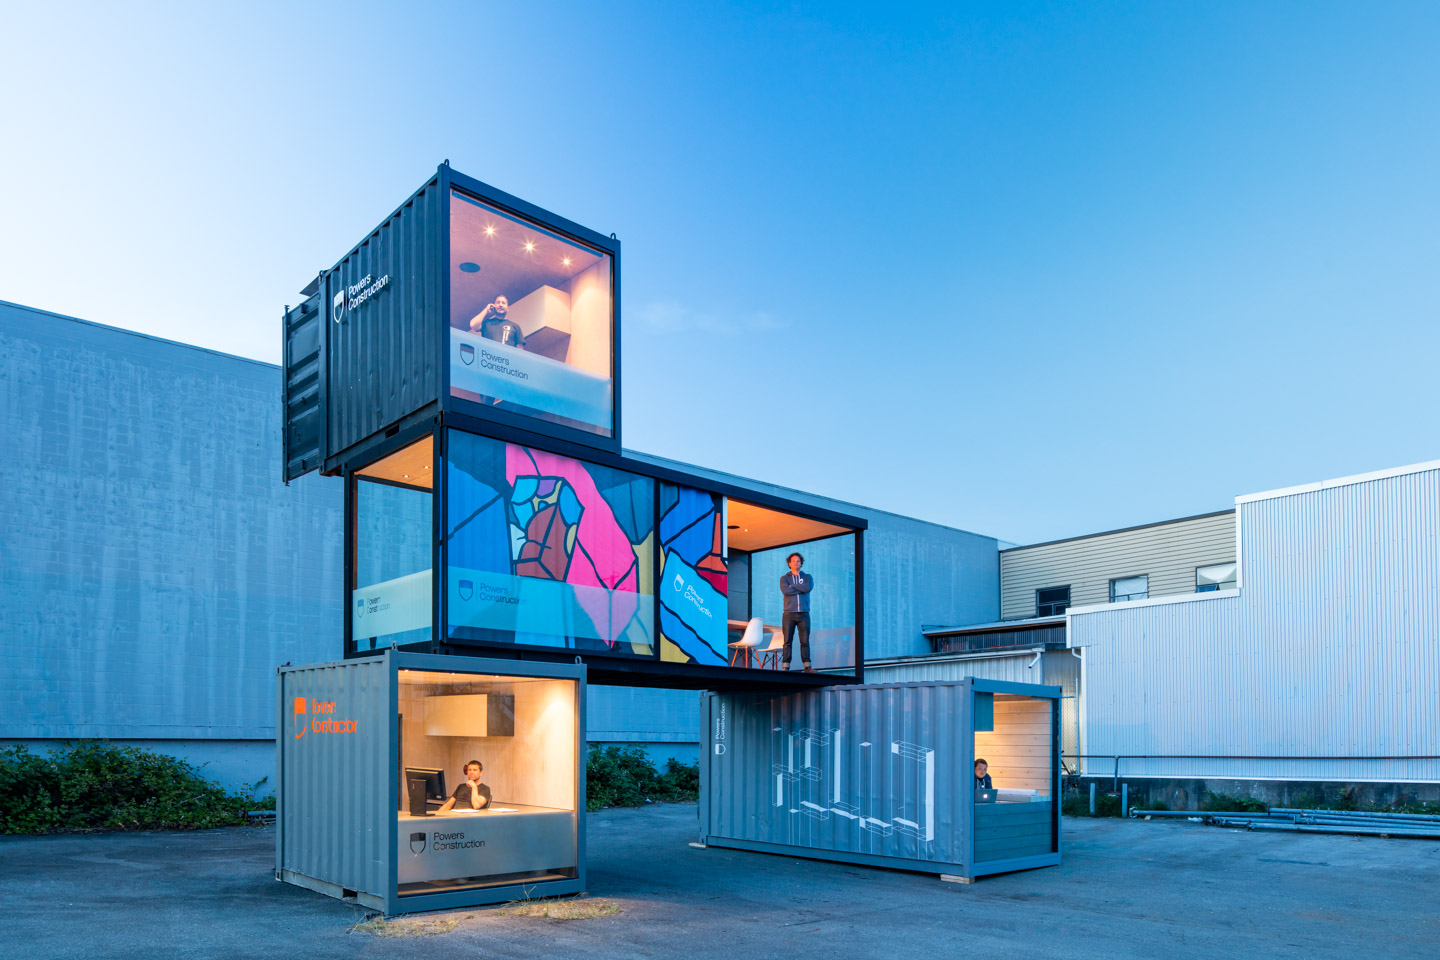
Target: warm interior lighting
[565,261]
[529,246]
[489,231]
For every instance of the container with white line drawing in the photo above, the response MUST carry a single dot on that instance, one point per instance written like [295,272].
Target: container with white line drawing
[882,774]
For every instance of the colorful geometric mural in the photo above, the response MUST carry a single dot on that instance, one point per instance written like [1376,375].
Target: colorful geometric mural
[694,604]
[546,550]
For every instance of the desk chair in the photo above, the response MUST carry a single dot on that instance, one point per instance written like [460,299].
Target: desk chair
[752,637]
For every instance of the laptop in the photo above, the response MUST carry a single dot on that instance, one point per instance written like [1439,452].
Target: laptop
[984,796]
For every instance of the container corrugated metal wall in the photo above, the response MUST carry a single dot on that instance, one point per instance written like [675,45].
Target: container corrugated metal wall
[334,789]
[877,771]
[384,354]
[1330,649]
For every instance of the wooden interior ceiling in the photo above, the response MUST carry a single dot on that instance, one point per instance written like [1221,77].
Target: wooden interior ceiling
[506,266]
[410,466]
[760,528]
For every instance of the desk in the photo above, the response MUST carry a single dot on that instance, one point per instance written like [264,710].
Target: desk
[484,843]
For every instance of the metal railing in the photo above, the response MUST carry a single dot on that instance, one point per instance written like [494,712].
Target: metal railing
[1215,756]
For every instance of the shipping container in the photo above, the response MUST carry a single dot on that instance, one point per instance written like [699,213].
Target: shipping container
[464,302]
[885,775]
[409,782]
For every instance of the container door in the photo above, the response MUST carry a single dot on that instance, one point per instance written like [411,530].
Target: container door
[304,388]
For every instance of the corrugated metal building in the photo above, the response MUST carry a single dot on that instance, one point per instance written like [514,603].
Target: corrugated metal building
[156,570]
[1327,654]
[1165,554]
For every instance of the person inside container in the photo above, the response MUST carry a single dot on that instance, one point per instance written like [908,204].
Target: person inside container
[471,794]
[493,323]
[982,777]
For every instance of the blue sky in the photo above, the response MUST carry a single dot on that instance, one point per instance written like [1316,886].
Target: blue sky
[1032,270]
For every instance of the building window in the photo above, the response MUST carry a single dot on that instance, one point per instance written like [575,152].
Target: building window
[1052,601]
[1217,576]
[1129,588]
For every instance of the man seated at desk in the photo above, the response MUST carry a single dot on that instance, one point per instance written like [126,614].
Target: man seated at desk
[982,775]
[471,794]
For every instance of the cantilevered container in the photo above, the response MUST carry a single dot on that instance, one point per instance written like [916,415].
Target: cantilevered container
[882,774]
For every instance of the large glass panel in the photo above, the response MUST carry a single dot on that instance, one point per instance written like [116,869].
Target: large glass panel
[531,319]
[545,550]
[487,781]
[694,584]
[391,602]
[830,563]
[722,587]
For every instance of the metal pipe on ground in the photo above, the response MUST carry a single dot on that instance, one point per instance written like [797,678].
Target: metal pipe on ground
[1419,817]
[1319,828]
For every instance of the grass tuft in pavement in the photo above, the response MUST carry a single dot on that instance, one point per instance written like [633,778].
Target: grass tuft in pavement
[562,909]
[416,927]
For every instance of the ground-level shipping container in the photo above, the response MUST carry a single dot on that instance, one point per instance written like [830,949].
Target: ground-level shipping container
[378,799]
[883,774]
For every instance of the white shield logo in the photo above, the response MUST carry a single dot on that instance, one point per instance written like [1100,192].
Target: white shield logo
[337,307]
[679,584]
[417,843]
[359,609]
[467,589]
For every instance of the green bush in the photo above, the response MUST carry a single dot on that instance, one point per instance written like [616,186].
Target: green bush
[96,785]
[626,777]
[1078,805]
[1224,803]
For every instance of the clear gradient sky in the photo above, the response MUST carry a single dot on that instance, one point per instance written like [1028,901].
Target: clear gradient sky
[1033,270]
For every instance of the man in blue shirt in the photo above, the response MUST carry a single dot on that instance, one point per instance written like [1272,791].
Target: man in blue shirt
[796,587]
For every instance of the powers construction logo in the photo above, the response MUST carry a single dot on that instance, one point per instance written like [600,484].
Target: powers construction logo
[320,708]
[417,843]
[337,307]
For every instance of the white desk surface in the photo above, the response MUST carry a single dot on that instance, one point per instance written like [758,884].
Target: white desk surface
[500,810]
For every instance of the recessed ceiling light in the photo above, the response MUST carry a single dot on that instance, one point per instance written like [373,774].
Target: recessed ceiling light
[468,267]
[529,246]
[489,231]
[565,261]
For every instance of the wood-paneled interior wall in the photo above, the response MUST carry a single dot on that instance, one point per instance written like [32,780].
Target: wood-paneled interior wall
[535,767]
[1019,749]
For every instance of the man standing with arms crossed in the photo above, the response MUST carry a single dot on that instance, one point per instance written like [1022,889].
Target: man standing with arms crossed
[796,587]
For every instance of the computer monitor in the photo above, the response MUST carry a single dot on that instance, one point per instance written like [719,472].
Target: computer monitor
[422,785]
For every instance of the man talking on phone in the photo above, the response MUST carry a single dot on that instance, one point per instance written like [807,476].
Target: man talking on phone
[796,587]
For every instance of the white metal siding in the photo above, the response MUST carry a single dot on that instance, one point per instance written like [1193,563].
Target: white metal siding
[1331,648]
[1012,669]
[1167,553]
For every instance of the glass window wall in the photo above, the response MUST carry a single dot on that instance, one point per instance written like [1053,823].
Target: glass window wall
[391,603]
[531,319]
[545,550]
[488,788]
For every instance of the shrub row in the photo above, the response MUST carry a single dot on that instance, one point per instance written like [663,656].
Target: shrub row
[100,786]
[627,777]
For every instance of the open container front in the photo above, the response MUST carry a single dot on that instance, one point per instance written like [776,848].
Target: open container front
[412,782]
[882,774]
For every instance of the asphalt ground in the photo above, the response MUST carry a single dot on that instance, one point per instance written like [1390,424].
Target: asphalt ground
[1126,889]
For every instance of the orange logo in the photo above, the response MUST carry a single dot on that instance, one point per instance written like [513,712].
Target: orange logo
[325,708]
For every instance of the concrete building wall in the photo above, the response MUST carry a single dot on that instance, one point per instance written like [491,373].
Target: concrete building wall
[1329,651]
[1167,553]
[154,569]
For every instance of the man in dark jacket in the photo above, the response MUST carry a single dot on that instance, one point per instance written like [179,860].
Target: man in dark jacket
[796,587]
[982,777]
